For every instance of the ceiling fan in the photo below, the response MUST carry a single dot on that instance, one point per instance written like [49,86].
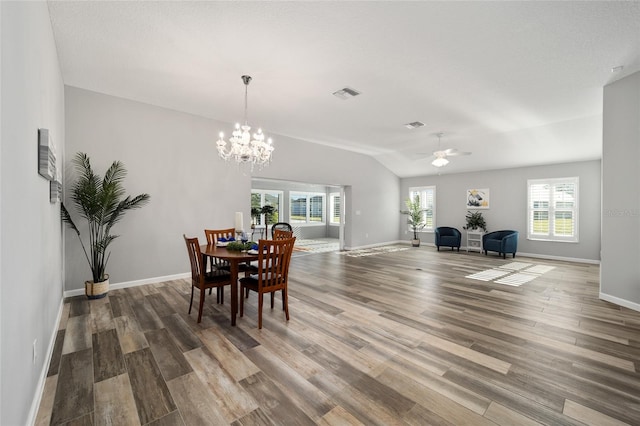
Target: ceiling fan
[441,155]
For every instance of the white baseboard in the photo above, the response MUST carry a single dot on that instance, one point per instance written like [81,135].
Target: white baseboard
[562,258]
[80,291]
[37,398]
[621,302]
[377,245]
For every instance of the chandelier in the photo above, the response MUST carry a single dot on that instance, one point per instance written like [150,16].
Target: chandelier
[243,147]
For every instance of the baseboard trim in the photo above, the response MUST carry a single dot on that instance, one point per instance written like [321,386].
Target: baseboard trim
[377,245]
[620,302]
[126,284]
[37,398]
[562,258]
[463,248]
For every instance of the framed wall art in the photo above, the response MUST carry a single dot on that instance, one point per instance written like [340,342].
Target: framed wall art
[55,189]
[478,198]
[46,155]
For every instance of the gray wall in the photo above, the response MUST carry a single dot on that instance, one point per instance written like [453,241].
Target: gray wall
[169,155]
[620,270]
[172,156]
[31,251]
[508,208]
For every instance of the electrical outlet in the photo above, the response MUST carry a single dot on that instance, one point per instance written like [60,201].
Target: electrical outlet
[35,351]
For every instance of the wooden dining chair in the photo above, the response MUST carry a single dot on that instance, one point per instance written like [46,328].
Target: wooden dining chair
[274,257]
[213,236]
[283,226]
[281,234]
[200,278]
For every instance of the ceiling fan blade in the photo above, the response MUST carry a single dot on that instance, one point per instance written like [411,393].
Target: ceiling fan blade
[452,152]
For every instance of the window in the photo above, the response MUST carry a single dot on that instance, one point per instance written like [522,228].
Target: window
[334,208]
[307,207]
[260,198]
[553,209]
[427,201]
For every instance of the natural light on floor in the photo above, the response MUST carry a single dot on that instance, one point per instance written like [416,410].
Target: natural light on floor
[514,273]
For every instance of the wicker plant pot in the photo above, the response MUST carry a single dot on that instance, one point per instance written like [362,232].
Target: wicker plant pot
[415,243]
[96,290]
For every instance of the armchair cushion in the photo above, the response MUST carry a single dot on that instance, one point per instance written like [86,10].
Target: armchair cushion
[503,242]
[448,237]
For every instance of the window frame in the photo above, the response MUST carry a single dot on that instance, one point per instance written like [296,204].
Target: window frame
[552,209]
[308,213]
[424,201]
[263,193]
[332,208]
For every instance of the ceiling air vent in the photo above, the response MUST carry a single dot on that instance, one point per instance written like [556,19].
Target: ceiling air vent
[414,125]
[346,93]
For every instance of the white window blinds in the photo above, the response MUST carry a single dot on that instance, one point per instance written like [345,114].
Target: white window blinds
[427,201]
[553,209]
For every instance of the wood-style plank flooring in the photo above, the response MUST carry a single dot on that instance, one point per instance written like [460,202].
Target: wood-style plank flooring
[394,338]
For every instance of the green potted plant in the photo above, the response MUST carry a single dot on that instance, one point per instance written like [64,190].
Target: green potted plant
[101,202]
[267,210]
[415,218]
[475,221]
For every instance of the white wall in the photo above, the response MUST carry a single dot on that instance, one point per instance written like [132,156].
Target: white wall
[620,269]
[31,248]
[508,209]
[172,156]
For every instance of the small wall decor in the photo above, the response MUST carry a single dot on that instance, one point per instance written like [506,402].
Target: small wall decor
[55,189]
[46,155]
[478,198]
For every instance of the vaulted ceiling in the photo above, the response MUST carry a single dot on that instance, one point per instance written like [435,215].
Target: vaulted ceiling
[515,83]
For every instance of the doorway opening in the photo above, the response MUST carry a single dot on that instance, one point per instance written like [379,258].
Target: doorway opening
[315,212]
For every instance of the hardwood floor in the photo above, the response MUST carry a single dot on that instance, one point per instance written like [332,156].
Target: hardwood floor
[395,338]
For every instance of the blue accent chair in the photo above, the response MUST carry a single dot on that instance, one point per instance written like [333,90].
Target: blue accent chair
[501,241]
[448,237]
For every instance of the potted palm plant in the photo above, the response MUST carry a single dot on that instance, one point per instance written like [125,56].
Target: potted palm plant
[415,217]
[268,211]
[102,203]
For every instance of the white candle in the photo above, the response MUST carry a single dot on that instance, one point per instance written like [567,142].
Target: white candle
[239,222]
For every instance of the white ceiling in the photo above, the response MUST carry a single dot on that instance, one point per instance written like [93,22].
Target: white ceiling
[516,83]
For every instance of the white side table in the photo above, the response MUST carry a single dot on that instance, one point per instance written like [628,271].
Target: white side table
[474,241]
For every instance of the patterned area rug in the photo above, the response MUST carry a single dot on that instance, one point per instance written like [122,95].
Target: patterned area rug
[513,274]
[316,246]
[372,251]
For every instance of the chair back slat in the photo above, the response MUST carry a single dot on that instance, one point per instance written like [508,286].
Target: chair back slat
[195,258]
[283,226]
[281,234]
[213,235]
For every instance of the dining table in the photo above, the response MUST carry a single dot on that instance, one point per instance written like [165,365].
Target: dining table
[234,258]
